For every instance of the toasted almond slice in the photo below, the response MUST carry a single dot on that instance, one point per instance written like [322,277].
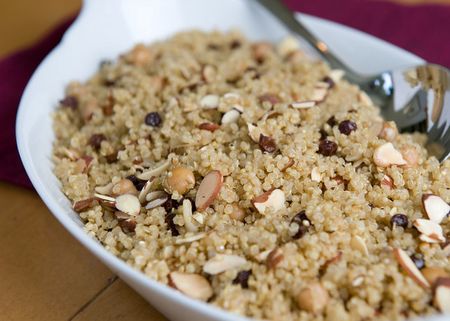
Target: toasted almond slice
[128,204]
[358,243]
[319,94]
[315,175]
[210,102]
[145,190]
[193,285]
[157,202]
[387,182]
[386,155]
[336,75]
[303,104]
[271,200]
[190,238]
[287,46]
[82,205]
[105,189]
[211,127]
[155,171]
[427,239]
[274,258]
[230,116]
[410,268]
[435,207]
[155,195]
[254,132]
[187,216]
[223,262]
[442,295]
[429,228]
[105,200]
[208,190]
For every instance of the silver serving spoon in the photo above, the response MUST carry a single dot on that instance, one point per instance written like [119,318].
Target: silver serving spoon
[415,98]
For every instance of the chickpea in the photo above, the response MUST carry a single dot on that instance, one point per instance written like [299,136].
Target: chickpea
[124,186]
[181,180]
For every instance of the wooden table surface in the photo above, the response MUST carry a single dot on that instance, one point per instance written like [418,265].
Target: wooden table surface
[45,273]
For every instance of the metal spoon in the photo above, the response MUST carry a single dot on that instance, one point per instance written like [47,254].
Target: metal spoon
[415,98]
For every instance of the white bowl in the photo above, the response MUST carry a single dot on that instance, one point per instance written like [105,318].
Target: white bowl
[103,30]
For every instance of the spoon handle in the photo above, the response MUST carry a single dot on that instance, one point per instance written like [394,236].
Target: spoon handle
[286,16]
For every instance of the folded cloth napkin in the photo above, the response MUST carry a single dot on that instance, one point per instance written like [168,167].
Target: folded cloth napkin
[419,29]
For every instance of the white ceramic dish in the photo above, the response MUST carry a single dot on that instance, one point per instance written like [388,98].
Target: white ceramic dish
[104,29]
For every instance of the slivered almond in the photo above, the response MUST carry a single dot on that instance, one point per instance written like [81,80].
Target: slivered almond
[358,243]
[190,238]
[387,182]
[145,190]
[427,239]
[271,200]
[442,295]
[429,228]
[82,205]
[386,155]
[210,102]
[435,207]
[319,94]
[208,190]
[211,127]
[410,268]
[315,175]
[254,132]
[223,262]
[154,203]
[105,200]
[158,170]
[274,258]
[155,195]
[187,216]
[128,204]
[303,104]
[192,285]
[106,189]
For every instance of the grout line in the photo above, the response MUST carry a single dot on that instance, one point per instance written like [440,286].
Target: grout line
[84,306]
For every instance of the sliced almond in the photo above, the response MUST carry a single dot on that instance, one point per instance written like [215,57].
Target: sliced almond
[254,132]
[319,94]
[270,114]
[157,201]
[145,190]
[193,285]
[272,200]
[210,102]
[442,295]
[82,205]
[105,200]
[155,195]
[223,262]
[427,239]
[410,268]
[315,175]
[386,155]
[433,273]
[158,170]
[435,207]
[358,243]
[211,127]
[303,104]
[387,182]
[187,216]
[274,258]
[105,189]
[128,204]
[287,46]
[429,228]
[230,116]
[208,190]
[190,238]
[313,298]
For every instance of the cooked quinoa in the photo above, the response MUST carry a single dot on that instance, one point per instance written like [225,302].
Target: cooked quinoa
[311,205]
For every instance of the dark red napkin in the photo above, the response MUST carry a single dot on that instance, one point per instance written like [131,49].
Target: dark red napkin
[421,29]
